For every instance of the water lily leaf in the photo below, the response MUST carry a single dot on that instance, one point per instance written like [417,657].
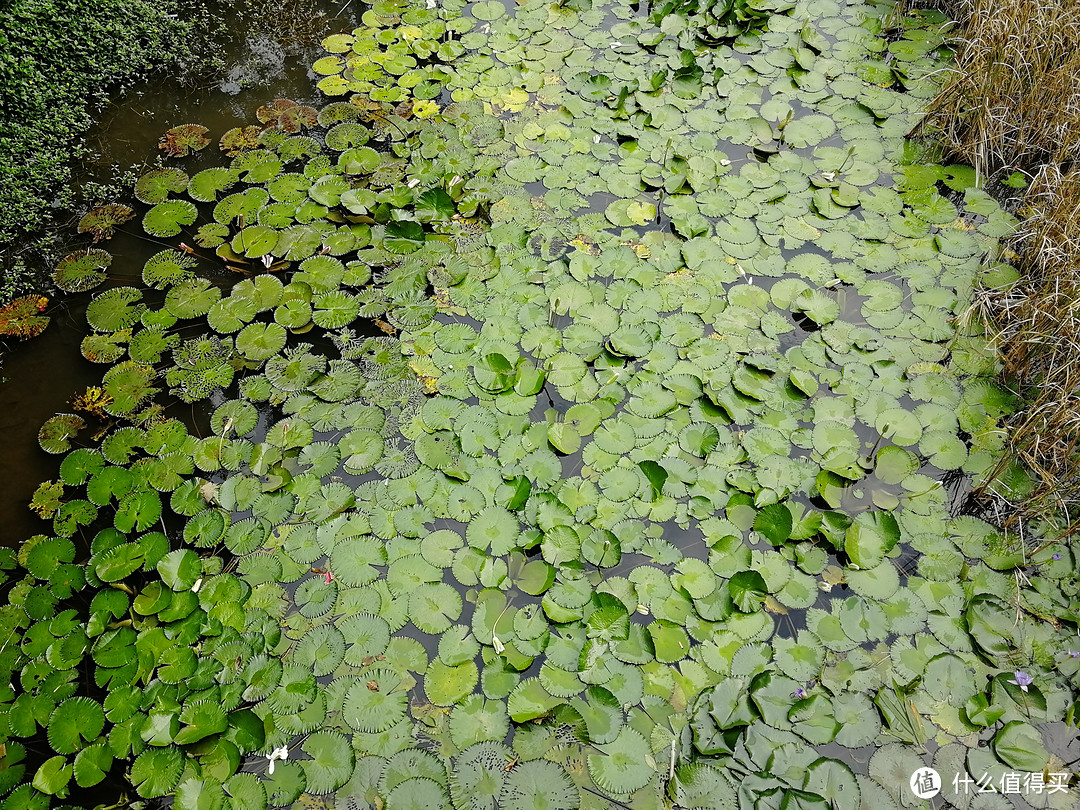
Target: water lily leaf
[488,10]
[403,236]
[538,783]
[246,790]
[260,341]
[75,723]
[115,309]
[870,537]
[194,794]
[255,241]
[322,649]
[435,205]
[200,719]
[287,783]
[367,635]
[156,185]
[529,700]
[335,309]
[128,385]
[101,222]
[748,590]
[656,475]
[56,433]
[618,769]
[92,764]
[331,762]
[816,305]
[179,569]
[83,270]
[192,299]
[156,771]
[774,522]
[181,140]
[169,218]
[205,186]
[433,607]
[22,317]
[1020,746]
[445,685]
[375,703]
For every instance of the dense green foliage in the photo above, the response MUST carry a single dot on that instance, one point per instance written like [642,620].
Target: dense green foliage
[58,60]
[637,498]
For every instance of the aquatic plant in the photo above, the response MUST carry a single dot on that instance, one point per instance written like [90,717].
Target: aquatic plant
[184,139]
[82,270]
[22,318]
[101,221]
[547,543]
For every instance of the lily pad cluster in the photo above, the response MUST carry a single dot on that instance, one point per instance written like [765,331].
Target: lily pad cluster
[575,437]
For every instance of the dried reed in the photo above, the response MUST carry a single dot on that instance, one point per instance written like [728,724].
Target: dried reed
[1013,98]
[1012,103]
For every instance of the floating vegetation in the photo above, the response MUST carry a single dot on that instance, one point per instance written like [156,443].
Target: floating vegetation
[182,140]
[22,318]
[82,270]
[55,434]
[101,221]
[669,365]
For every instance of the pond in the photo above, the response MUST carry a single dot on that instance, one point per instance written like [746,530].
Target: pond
[562,406]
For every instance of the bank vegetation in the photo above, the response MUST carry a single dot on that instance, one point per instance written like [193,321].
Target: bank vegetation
[1011,103]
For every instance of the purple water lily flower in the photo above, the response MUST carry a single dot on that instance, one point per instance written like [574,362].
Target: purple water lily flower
[1056,557]
[1074,654]
[1022,679]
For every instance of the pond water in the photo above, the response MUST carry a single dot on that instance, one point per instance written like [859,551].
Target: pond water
[588,429]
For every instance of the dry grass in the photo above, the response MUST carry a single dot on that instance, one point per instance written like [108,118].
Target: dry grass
[1012,103]
[1013,97]
[1037,324]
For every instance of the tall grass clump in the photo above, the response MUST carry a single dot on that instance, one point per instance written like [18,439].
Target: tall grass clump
[1011,103]
[1012,99]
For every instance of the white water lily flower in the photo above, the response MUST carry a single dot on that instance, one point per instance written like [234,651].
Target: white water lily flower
[498,645]
[278,753]
[197,585]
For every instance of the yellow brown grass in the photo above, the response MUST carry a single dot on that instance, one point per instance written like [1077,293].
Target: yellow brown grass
[1037,328]
[1013,97]
[1012,103]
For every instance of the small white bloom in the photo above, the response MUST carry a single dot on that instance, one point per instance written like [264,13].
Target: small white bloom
[432,4]
[497,644]
[278,753]
[644,611]
[413,183]
[197,585]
